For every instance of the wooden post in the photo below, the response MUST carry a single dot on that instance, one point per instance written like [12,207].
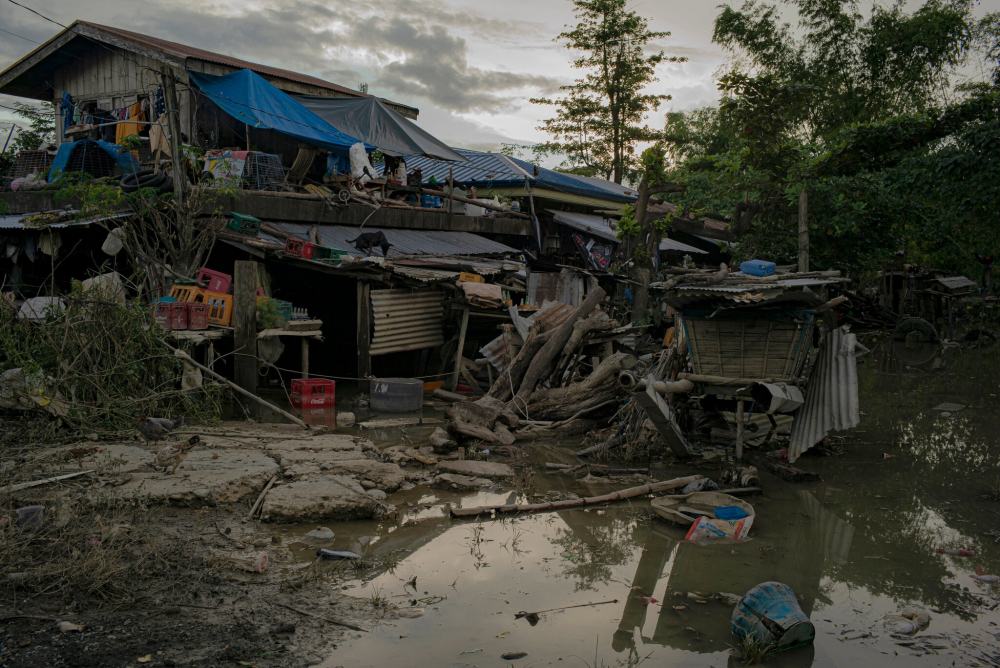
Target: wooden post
[305,356]
[739,431]
[364,334]
[453,381]
[245,325]
[174,127]
[803,230]
[451,192]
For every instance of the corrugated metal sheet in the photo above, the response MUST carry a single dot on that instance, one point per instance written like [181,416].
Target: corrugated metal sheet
[405,320]
[404,242]
[14,222]
[831,396]
[425,275]
[599,226]
[494,170]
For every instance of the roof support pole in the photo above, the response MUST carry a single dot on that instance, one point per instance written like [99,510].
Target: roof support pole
[174,128]
[364,336]
[803,230]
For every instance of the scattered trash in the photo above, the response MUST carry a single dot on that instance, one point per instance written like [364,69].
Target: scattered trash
[956,552]
[410,613]
[320,534]
[907,621]
[770,614]
[30,517]
[948,407]
[324,553]
[513,656]
[69,627]
[146,658]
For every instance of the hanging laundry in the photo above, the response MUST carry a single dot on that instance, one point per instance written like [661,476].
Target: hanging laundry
[127,128]
[66,106]
[159,103]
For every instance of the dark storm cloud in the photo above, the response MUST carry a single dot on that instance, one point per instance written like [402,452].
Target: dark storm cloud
[405,49]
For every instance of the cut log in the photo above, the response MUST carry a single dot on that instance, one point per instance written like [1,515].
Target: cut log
[500,436]
[596,322]
[620,495]
[542,362]
[508,380]
[598,389]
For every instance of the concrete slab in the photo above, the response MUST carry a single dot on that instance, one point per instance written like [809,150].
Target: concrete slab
[206,477]
[474,468]
[458,482]
[322,497]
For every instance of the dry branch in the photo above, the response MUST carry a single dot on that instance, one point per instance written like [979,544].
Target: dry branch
[620,495]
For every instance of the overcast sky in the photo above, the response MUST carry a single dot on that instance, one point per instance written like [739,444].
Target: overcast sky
[468,65]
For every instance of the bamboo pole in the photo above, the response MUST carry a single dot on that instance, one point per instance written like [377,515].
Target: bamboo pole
[620,495]
[249,395]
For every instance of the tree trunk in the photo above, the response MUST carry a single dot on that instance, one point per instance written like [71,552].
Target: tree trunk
[600,387]
[508,381]
[640,264]
[542,363]
[599,321]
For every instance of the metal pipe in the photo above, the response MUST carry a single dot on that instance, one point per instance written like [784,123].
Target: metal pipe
[664,387]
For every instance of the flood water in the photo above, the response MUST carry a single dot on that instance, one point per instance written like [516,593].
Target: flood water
[855,547]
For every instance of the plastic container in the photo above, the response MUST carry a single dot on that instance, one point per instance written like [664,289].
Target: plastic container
[243,224]
[770,613]
[186,293]
[198,316]
[757,267]
[309,393]
[397,395]
[176,315]
[161,313]
[300,248]
[220,307]
[215,281]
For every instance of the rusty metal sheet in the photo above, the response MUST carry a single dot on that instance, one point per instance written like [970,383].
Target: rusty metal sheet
[406,320]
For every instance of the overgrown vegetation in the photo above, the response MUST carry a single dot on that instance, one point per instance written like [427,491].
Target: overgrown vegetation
[96,366]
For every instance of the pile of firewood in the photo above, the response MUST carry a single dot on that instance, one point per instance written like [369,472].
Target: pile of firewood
[544,384]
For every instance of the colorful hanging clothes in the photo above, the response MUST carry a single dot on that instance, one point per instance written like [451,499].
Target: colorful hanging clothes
[129,128]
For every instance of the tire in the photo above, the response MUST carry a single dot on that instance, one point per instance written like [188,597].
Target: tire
[915,329]
[146,178]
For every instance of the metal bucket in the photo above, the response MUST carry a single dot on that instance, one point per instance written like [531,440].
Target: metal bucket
[770,613]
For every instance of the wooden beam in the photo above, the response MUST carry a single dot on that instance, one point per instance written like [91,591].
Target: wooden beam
[364,334]
[453,381]
[245,325]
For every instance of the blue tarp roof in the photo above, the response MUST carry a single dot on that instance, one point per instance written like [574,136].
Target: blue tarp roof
[486,170]
[249,98]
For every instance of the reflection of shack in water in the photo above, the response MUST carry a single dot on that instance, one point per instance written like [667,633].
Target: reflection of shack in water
[671,568]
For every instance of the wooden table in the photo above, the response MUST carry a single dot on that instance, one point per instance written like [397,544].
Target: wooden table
[303,336]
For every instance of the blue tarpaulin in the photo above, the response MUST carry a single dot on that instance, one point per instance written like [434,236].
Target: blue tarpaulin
[121,156]
[250,99]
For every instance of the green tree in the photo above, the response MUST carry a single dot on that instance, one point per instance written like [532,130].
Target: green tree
[601,116]
[38,129]
[861,110]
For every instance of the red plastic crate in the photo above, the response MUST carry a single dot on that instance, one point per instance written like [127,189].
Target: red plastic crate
[198,316]
[162,314]
[177,315]
[313,393]
[214,281]
[300,248]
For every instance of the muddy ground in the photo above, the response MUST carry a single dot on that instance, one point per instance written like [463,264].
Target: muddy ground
[165,569]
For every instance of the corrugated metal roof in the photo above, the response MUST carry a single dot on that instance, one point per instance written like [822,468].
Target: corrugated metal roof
[494,170]
[600,226]
[404,242]
[832,401]
[597,226]
[15,221]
